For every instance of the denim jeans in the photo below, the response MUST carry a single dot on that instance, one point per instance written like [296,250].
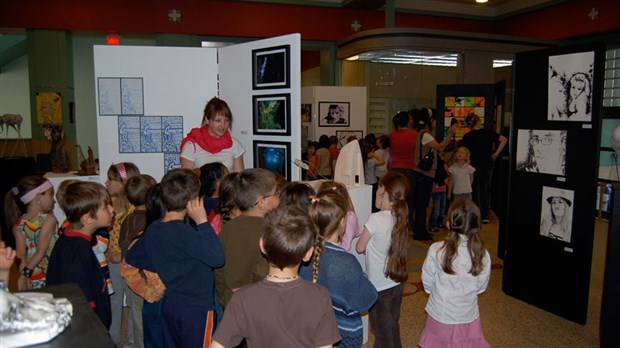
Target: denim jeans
[482,189]
[421,196]
[439,209]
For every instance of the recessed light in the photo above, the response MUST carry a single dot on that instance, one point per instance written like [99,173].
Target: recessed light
[482,1]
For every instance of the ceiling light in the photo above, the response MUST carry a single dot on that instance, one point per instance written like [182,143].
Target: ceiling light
[353,58]
[482,1]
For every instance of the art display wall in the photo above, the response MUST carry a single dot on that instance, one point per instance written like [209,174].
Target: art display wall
[149,98]
[553,178]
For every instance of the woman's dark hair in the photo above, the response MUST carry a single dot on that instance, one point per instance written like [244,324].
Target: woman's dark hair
[323,142]
[421,119]
[385,141]
[297,194]
[401,119]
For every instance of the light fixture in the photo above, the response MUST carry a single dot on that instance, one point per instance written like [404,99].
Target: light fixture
[482,1]
[352,58]
[113,39]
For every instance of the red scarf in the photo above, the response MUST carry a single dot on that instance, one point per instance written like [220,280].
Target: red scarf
[208,142]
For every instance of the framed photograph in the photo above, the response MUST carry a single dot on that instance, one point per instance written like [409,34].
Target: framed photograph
[571,77]
[344,135]
[272,114]
[542,151]
[274,156]
[334,114]
[271,68]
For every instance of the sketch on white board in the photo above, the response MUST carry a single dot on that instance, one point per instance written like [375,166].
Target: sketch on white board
[128,134]
[556,215]
[150,134]
[570,87]
[132,96]
[541,151]
[109,96]
[172,133]
[171,161]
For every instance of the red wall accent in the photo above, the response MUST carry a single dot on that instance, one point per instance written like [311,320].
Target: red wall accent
[249,19]
[310,59]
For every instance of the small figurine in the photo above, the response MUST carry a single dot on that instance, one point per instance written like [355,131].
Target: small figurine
[58,153]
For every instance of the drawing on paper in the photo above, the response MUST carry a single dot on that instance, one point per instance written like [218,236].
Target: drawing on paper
[172,133]
[541,151]
[171,161]
[132,96]
[128,134]
[570,87]
[556,215]
[109,89]
[150,134]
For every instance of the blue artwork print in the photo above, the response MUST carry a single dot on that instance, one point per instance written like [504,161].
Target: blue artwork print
[109,96]
[171,161]
[172,133]
[132,95]
[274,156]
[150,134]
[128,134]
[274,159]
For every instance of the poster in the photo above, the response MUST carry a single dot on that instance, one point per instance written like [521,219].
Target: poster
[541,151]
[457,108]
[49,108]
[556,214]
[570,87]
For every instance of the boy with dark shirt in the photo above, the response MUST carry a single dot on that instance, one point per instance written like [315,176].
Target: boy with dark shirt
[88,207]
[282,310]
[184,259]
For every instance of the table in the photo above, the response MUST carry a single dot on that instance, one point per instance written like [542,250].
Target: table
[86,330]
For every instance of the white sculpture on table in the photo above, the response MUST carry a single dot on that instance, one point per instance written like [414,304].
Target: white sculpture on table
[12,121]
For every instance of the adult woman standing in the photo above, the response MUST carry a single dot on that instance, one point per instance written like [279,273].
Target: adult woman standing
[212,142]
[403,142]
[481,144]
[424,121]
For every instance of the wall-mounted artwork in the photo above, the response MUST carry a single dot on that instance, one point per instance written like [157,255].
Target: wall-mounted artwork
[129,134]
[120,96]
[132,96]
[272,114]
[150,134]
[456,110]
[343,136]
[541,151]
[334,114]
[570,87]
[171,161]
[49,108]
[270,68]
[274,156]
[556,215]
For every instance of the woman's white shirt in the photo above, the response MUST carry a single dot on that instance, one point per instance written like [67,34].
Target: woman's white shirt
[201,156]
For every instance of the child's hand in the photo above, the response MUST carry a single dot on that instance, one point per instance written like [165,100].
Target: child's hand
[196,210]
[7,257]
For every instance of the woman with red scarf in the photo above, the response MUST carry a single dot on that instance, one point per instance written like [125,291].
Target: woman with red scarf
[212,142]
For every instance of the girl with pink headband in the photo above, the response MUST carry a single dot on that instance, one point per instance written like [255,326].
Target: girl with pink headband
[118,174]
[28,207]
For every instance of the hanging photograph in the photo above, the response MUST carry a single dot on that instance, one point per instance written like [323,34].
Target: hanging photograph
[556,215]
[334,114]
[344,136]
[570,87]
[272,114]
[274,156]
[541,151]
[270,68]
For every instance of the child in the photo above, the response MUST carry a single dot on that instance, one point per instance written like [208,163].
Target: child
[313,162]
[99,242]
[455,271]
[353,228]
[28,207]
[135,223]
[184,259]
[337,270]
[297,194]
[384,241]
[371,161]
[88,207]
[228,208]
[382,143]
[438,196]
[118,174]
[281,310]
[461,175]
[211,175]
[256,195]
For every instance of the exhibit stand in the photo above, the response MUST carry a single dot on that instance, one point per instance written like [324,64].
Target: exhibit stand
[553,176]
[149,98]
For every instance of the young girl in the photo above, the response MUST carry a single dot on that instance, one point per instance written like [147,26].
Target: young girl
[353,228]
[211,175]
[461,175]
[313,161]
[228,208]
[297,194]
[384,241]
[28,207]
[455,271]
[337,270]
[371,161]
[118,174]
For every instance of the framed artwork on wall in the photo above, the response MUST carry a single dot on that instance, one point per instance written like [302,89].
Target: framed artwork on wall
[274,156]
[542,151]
[271,114]
[271,68]
[570,87]
[334,114]
[344,135]
[556,214]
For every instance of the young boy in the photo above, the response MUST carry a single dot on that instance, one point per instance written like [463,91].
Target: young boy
[256,194]
[282,310]
[135,191]
[184,259]
[88,207]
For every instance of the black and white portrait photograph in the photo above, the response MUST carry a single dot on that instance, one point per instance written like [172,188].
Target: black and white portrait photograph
[556,215]
[334,114]
[272,114]
[541,151]
[270,67]
[570,87]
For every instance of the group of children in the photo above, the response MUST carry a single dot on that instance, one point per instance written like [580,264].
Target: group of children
[224,259]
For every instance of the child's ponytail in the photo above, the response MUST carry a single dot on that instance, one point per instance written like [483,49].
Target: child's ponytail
[16,199]
[464,219]
[396,187]
[327,213]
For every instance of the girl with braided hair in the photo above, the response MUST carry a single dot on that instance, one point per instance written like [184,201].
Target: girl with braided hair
[454,273]
[384,241]
[336,269]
